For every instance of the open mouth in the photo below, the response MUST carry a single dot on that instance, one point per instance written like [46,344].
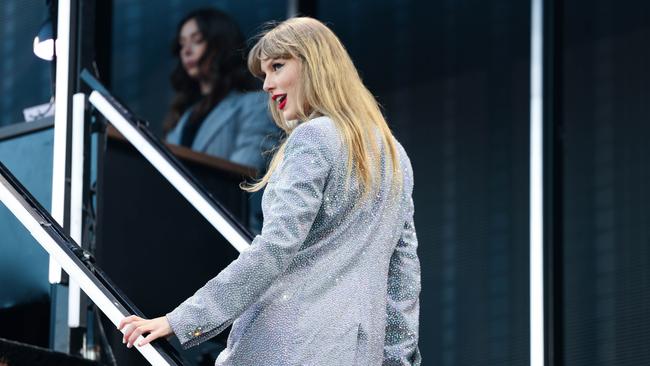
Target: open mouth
[281,99]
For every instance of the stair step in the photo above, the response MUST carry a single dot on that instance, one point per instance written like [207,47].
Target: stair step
[14,353]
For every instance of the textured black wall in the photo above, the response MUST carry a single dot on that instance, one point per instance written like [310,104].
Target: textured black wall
[605,99]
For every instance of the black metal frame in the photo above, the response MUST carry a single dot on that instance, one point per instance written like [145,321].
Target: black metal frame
[18,129]
[142,127]
[81,258]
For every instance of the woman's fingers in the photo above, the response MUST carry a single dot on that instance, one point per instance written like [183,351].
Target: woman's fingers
[139,328]
[128,320]
[127,326]
[134,327]
[149,338]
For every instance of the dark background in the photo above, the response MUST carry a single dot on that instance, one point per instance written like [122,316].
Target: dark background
[606,241]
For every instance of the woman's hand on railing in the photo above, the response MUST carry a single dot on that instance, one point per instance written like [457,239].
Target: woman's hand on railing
[134,326]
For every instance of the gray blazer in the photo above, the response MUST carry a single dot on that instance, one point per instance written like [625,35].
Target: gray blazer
[333,279]
[238,129]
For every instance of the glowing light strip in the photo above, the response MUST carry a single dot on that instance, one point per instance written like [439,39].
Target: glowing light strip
[76,199]
[60,123]
[536,186]
[292,8]
[112,311]
[169,172]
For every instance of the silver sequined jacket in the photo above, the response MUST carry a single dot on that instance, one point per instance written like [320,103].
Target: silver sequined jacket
[333,279]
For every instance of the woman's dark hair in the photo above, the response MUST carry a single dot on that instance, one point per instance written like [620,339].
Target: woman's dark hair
[223,64]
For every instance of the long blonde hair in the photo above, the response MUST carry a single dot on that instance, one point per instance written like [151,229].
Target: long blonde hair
[329,86]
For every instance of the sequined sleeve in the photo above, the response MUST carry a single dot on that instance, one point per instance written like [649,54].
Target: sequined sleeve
[294,198]
[403,307]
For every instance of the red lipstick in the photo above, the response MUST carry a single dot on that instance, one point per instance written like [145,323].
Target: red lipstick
[281,99]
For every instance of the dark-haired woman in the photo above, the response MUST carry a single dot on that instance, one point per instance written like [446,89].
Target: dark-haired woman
[214,110]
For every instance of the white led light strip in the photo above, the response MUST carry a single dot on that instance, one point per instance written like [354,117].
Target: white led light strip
[111,310]
[76,199]
[536,188]
[169,172]
[62,44]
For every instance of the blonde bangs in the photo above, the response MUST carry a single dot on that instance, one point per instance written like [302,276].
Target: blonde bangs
[269,46]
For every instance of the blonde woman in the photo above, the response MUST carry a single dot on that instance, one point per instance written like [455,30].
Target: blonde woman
[334,277]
